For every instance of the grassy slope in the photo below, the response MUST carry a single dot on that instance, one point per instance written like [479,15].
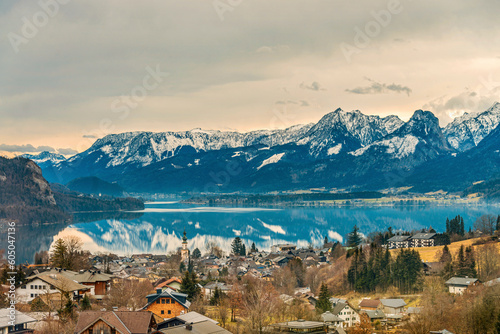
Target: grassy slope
[429,254]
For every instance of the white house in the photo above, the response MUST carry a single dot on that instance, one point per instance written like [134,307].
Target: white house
[47,284]
[347,313]
[458,285]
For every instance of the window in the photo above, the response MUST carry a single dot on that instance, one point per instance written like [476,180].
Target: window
[169,312]
[52,287]
[162,312]
[23,286]
[31,286]
[163,300]
[157,301]
[31,295]
[173,301]
[36,286]
[168,301]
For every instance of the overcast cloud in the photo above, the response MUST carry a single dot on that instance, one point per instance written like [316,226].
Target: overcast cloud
[86,72]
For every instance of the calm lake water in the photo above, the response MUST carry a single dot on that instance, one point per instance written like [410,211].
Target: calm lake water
[158,229]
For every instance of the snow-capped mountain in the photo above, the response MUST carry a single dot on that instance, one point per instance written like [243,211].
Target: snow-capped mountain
[45,158]
[343,149]
[341,131]
[468,130]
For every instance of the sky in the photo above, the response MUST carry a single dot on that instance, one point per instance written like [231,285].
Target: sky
[73,71]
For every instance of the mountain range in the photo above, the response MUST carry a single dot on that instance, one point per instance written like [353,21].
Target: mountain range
[343,150]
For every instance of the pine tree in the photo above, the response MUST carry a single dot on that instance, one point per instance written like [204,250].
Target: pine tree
[446,255]
[323,304]
[190,285]
[196,253]
[86,303]
[243,250]
[58,257]
[448,226]
[237,246]
[354,239]
[462,227]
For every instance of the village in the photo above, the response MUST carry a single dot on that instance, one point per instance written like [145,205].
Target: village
[286,289]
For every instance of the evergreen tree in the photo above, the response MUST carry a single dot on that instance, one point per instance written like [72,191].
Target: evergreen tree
[462,227]
[196,253]
[325,241]
[448,226]
[190,285]
[354,239]
[446,255]
[237,247]
[323,304]
[216,298]
[182,267]
[86,303]
[58,257]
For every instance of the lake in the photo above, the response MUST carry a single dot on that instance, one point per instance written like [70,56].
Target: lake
[158,229]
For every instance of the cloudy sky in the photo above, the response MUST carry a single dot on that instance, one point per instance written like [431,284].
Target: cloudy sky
[72,71]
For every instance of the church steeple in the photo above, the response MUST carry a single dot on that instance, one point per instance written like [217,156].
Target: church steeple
[184,249]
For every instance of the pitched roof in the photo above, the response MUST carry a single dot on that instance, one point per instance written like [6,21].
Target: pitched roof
[330,317]
[369,303]
[465,281]
[20,318]
[424,236]
[340,306]
[399,238]
[125,322]
[194,317]
[60,281]
[181,298]
[375,314]
[395,303]
[204,327]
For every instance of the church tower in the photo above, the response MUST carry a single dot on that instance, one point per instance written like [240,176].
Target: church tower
[184,250]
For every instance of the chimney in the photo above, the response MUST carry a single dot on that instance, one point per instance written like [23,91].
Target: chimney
[189,326]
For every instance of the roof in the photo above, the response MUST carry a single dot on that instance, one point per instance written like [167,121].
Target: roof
[443,331]
[125,322]
[85,276]
[399,238]
[20,318]
[464,281]
[395,303]
[330,317]
[375,314]
[181,298]
[204,327]
[60,281]
[168,282]
[299,324]
[369,303]
[423,236]
[340,306]
[194,317]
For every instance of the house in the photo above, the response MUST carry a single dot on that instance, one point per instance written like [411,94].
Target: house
[13,321]
[458,285]
[174,283]
[393,306]
[369,304]
[204,327]
[374,315]
[98,281]
[282,248]
[331,320]
[300,325]
[347,313]
[115,322]
[47,283]
[188,318]
[399,241]
[209,288]
[167,303]
[423,240]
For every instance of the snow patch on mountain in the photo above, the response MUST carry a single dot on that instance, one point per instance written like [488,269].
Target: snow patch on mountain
[335,149]
[271,160]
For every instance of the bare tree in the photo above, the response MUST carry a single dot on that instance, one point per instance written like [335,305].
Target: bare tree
[488,262]
[128,293]
[486,224]
[213,249]
[259,304]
